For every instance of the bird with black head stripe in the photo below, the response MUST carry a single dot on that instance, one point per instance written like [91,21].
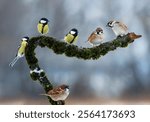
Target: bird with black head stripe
[71,36]
[43,27]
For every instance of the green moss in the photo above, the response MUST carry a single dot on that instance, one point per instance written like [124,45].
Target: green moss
[42,74]
[33,76]
[60,47]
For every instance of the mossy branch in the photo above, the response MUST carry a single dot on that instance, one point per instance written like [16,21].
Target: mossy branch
[60,47]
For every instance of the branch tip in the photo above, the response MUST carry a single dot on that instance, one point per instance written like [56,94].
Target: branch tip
[134,36]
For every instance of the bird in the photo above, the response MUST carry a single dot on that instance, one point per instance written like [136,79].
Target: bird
[72,36]
[119,28]
[21,50]
[43,27]
[96,37]
[59,93]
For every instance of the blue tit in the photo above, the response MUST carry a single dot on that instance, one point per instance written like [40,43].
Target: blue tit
[21,50]
[72,36]
[42,26]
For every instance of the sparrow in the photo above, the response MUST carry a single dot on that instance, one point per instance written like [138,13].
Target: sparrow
[58,93]
[71,36]
[119,28]
[21,50]
[42,26]
[96,37]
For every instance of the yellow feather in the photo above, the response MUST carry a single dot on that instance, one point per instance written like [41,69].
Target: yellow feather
[46,29]
[21,50]
[39,27]
[70,38]
[42,29]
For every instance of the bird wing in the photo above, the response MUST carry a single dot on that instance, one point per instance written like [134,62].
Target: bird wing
[45,29]
[40,28]
[92,37]
[123,25]
[56,91]
[18,49]
[69,38]
[21,50]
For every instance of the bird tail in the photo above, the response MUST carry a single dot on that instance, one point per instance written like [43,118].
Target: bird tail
[14,61]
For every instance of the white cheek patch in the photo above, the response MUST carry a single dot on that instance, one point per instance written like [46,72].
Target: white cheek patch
[72,32]
[67,90]
[113,23]
[24,39]
[43,21]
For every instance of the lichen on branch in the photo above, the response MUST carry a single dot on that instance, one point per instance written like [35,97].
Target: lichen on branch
[60,47]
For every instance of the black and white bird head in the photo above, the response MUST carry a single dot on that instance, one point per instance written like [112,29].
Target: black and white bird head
[44,21]
[111,23]
[26,38]
[99,31]
[74,32]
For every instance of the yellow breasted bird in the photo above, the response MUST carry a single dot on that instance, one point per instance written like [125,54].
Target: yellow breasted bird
[42,26]
[72,36]
[21,50]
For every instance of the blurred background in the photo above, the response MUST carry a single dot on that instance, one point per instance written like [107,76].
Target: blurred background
[120,77]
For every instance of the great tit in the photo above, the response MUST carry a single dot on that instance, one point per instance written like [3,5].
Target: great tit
[72,36]
[21,50]
[42,26]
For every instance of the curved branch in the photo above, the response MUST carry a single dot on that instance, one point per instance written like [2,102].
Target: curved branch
[60,47]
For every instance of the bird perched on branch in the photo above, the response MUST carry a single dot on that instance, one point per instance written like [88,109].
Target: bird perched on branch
[42,26]
[58,93]
[72,36]
[96,37]
[21,50]
[119,28]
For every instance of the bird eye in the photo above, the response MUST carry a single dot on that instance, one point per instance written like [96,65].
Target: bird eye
[98,32]
[110,24]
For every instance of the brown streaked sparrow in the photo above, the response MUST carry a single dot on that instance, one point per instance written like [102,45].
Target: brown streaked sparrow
[58,93]
[119,28]
[96,37]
